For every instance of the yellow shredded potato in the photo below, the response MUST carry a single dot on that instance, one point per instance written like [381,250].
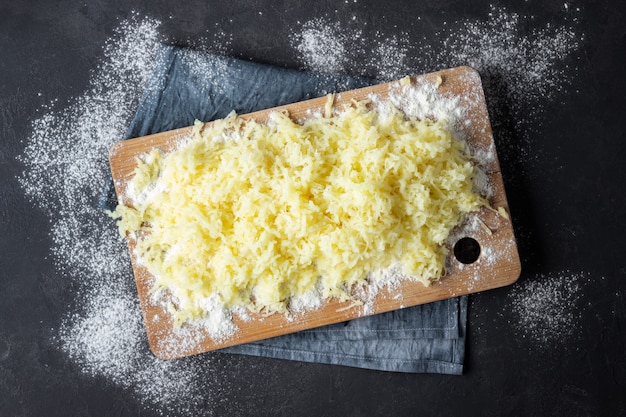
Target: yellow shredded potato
[260,213]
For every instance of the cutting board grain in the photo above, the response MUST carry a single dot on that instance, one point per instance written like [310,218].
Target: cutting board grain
[497,265]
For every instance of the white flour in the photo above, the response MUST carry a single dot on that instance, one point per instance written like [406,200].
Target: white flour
[522,73]
[334,48]
[323,45]
[545,308]
[65,160]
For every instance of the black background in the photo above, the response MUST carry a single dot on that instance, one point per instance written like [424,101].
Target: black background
[569,216]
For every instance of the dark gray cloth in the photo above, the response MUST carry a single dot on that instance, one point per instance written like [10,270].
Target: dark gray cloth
[186,85]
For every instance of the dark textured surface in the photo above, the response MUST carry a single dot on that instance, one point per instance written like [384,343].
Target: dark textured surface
[568,207]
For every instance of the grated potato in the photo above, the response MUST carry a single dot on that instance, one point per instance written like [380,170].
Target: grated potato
[261,213]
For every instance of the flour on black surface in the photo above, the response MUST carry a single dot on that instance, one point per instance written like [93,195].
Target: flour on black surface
[545,308]
[66,172]
[524,68]
[323,45]
[333,48]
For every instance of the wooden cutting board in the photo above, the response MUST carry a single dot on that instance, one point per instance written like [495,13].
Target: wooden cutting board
[497,265]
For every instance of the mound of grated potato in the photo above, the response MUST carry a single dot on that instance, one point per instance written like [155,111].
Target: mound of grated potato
[260,213]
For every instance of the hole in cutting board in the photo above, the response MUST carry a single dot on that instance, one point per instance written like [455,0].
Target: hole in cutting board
[467,250]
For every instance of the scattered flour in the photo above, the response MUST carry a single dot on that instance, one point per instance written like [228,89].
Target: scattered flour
[323,45]
[383,279]
[424,101]
[545,308]
[530,64]
[66,172]
[107,339]
[211,71]
[523,71]
[308,301]
[218,321]
[330,47]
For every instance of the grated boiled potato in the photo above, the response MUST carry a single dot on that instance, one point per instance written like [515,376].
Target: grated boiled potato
[261,213]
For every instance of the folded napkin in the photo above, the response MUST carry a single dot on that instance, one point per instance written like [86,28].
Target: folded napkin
[186,85]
